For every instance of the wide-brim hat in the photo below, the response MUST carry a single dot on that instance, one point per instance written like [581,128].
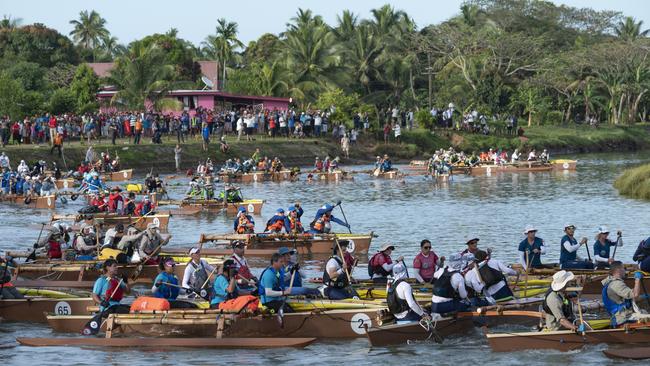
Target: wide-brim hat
[603,230]
[560,279]
[529,228]
[386,246]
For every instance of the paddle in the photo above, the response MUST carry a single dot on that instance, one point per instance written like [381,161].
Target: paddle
[345,268]
[619,235]
[144,260]
[32,255]
[202,292]
[581,328]
[587,247]
[93,325]
[344,218]
[284,300]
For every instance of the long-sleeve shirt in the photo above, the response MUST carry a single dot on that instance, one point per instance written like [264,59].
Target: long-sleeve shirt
[473,280]
[601,250]
[188,275]
[405,292]
[457,283]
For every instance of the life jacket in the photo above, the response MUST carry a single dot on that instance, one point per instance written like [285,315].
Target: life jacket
[321,223]
[114,285]
[166,291]
[442,286]
[340,282]
[243,270]
[395,304]
[277,283]
[612,307]
[54,249]
[567,307]
[374,268]
[87,240]
[200,277]
[149,303]
[275,226]
[238,304]
[565,255]
[489,275]
[296,225]
[242,226]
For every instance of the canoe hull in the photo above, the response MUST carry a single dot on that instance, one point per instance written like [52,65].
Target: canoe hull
[34,309]
[89,272]
[66,184]
[37,202]
[119,176]
[332,176]
[168,342]
[564,165]
[305,245]
[520,168]
[395,334]
[140,223]
[258,177]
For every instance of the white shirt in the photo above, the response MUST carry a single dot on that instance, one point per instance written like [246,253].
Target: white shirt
[472,278]
[188,275]
[240,124]
[405,292]
[318,120]
[457,283]
[334,266]
[398,130]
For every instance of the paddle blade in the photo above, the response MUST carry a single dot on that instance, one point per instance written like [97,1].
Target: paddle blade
[93,325]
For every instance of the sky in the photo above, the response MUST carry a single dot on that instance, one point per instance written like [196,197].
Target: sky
[129,20]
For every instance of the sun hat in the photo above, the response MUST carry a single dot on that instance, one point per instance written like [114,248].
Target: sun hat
[399,271]
[195,251]
[529,228]
[386,246]
[560,280]
[285,250]
[603,230]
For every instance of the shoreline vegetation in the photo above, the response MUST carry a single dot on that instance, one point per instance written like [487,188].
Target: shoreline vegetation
[416,144]
[634,182]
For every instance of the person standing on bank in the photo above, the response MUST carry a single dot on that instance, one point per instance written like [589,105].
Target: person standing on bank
[177,157]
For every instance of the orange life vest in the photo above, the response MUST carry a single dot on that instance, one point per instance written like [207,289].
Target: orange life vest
[296,225]
[149,303]
[248,302]
[276,226]
[320,223]
[242,226]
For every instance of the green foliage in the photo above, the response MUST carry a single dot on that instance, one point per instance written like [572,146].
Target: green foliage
[344,105]
[11,96]
[424,119]
[178,52]
[60,75]
[635,182]
[36,43]
[84,88]
[400,151]
[62,101]
[29,74]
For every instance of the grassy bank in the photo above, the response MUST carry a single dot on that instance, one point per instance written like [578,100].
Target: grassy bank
[415,144]
[635,182]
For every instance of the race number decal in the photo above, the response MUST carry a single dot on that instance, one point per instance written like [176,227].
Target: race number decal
[125,174]
[255,177]
[62,308]
[351,246]
[251,208]
[65,184]
[49,201]
[565,165]
[359,322]
[488,170]
[156,221]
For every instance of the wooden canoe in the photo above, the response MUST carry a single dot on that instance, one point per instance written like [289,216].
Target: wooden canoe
[305,244]
[566,340]
[119,176]
[37,202]
[335,176]
[393,174]
[255,177]
[525,167]
[168,342]
[65,184]
[140,222]
[633,353]
[253,206]
[394,334]
[33,309]
[564,165]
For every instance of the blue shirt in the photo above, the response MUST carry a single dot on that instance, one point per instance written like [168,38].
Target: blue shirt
[601,249]
[100,287]
[165,291]
[271,279]
[565,255]
[220,287]
[533,258]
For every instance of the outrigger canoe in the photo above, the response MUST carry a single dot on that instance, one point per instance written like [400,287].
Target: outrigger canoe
[111,219]
[254,177]
[38,202]
[305,244]
[422,167]
[334,176]
[253,206]
[33,309]
[65,184]
[566,340]
[160,343]
[391,174]
[119,176]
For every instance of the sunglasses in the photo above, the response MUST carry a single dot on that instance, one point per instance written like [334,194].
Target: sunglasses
[426,247]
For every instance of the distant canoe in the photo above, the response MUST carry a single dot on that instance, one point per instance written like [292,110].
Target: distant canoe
[37,202]
[159,343]
[633,353]
[65,184]
[564,165]
[392,174]
[258,177]
[33,309]
[334,176]
[119,176]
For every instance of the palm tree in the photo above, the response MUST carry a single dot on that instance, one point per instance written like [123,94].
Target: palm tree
[143,78]
[112,47]
[222,44]
[272,79]
[363,55]
[8,22]
[630,30]
[89,30]
[347,25]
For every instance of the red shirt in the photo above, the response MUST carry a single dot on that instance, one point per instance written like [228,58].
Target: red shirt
[52,122]
[426,265]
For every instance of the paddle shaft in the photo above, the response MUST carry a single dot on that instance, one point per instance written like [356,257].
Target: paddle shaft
[32,255]
[618,239]
[589,254]
[345,218]
[580,313]
[345,267]
[144,260]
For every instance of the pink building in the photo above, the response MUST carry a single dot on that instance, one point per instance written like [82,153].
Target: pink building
[191,99]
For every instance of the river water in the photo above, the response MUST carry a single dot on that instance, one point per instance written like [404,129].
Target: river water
[496,209]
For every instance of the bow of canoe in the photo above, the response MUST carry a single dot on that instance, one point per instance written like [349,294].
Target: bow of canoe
[633,353]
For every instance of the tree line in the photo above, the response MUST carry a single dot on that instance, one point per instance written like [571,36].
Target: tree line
[546,63]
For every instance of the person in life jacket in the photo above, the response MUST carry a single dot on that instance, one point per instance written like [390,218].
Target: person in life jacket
[85,243]
[380,266]
[244,276]
[642,255]
[449,292]
[531,249]
[602,246]
[129,204]
[278,222]
[321,223]
[197,272]
[55,240]
[151,243]
[129,242]
[145,207]
[7,289]
[115,200]
[568,250]
[318,165]
[272,288]
[291,268]
[166,284]
[488,277]
[558,309]
[109,290]
[386,164]
[225,285]
[232,194]
[400,300]
[95,184]
[335,278]
[113,236]
[472,247]
[243,223]
[618,297]
[426,263]
[295,225]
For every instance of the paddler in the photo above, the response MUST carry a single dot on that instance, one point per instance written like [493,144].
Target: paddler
[426,262]
[568,250]
[109,290]
[400,299]
[197,271]
[7,289]
[272,288]
[472,247]
[225,285]
[558,308]
[321,223]
[380,266]
[243,223]
[151,241]
[115,200]
[386,164]
[55,240]
[166,284]
[618,298]
[145,207]
[531,249]
[278,222]
[488,276]
[602,247]
[129,242]
[244,275]
[129,204]
[642,255]
[294,219]
[449,292]
[85,243]
[291,267]
[335,278]
[113,236]
[233,194]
